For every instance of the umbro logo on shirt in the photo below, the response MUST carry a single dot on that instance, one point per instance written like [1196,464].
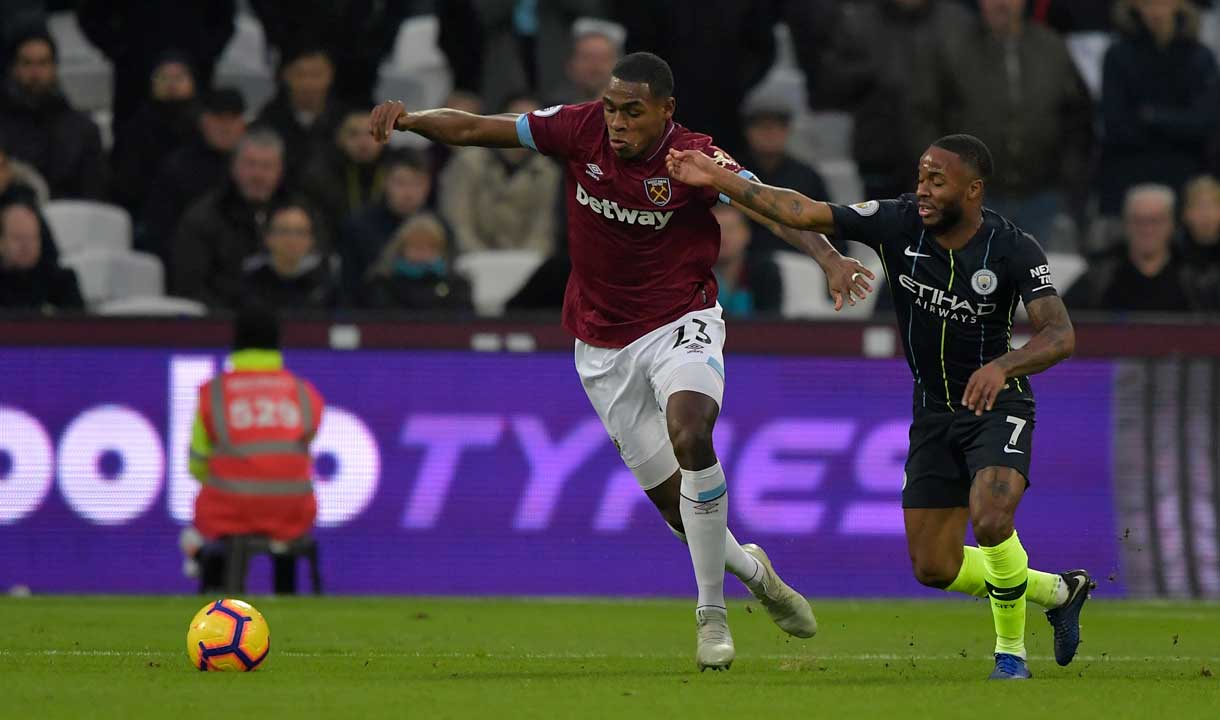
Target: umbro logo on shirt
[593,171]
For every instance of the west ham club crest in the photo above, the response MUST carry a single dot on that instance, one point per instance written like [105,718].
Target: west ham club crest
[658,190]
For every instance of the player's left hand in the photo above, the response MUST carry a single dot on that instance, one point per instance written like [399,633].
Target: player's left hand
[984,386]
[845,277]
[690,167]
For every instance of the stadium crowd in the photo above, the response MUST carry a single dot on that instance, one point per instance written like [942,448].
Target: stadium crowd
[1103,116]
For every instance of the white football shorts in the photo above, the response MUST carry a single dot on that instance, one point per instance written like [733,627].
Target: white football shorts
[630,387]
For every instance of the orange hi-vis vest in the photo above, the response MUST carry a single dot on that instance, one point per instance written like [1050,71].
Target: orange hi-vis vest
[260,424]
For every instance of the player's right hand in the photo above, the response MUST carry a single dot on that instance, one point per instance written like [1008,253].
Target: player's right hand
[386,118]
[691,167]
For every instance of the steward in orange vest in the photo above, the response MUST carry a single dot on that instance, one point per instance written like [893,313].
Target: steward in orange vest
[250,442]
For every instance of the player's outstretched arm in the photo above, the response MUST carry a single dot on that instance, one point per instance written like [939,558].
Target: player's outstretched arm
[451,127]
[845,276]
[1054,341]
[786,207]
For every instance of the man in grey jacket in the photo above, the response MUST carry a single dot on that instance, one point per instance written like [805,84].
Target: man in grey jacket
[1013,84]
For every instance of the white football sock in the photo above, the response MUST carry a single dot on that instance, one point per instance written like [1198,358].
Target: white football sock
[743,566]
[705,507]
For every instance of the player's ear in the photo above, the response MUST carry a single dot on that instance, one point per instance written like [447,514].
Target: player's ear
[975,191]
[670,106]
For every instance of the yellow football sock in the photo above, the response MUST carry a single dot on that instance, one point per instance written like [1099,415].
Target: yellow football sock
[1006,574]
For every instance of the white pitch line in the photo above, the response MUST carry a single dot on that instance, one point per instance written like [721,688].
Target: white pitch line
[598,656]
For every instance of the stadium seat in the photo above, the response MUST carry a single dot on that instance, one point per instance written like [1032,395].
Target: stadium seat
[1088,51]
[822,137]
[496,275]
[84,226]
[86,76]
[416,71]
[153,305]
[842,181]
[1066,269]
[112,276]
[805,294]
[245,63]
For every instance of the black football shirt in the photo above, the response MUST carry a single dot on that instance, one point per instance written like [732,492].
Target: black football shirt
[955,307]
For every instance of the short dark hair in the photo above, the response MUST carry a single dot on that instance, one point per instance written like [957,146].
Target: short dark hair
[404,157]
[972,151]
[256,327]
[224,101]
[644,67]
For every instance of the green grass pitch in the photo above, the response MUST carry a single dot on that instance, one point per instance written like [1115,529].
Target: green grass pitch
[504,658]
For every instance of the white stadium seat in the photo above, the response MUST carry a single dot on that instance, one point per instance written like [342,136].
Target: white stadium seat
[416,71]
[1066,269]
[86,76]
[496,275]
[245,64]
[84,226]
[162,306]
[805,294]
[110,276]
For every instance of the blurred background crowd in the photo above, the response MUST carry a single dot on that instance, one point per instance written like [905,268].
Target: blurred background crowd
[183,157]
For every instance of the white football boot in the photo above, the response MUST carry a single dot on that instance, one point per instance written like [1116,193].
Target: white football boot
[715,643]
[788,608]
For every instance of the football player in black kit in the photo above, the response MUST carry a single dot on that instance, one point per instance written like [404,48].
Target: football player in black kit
[956,271]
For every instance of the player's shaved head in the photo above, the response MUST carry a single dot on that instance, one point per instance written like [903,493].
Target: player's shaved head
[973,152]
[952,174]
[646,69]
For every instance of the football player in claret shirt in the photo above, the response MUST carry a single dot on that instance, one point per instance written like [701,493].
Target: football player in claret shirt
[641,301]
[956,271]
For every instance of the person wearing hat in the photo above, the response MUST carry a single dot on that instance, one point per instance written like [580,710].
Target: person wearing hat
[191,171]
[42,128]
[165,122]
[768,125]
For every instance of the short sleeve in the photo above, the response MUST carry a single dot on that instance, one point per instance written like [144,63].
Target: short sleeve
[1034,279]
[549,131]
[869,222]
[726,161]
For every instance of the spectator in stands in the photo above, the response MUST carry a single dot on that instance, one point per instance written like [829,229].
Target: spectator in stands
[404,194]
[189,172]
[358,34]
[304,112]
[1143,276]
[254,467]
[344,178]
[868,71]
[135,36]
[19,181]
[813,27]
[1015,86]
[439,154]
[768,126]
[501,199]
[594,54]
[292,272]
[42,129]
[165,122]
[26,279]
[748,286]
[519,44]
[413,272]
[1069,16]
[717,54]
[225,227]
[1200,238]
[1160,99]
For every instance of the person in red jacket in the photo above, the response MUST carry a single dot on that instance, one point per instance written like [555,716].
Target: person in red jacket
[250,445]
